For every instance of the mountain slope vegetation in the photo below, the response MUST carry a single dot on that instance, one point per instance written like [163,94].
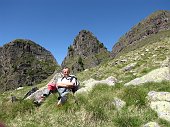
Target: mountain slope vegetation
[96,108]
[104,105]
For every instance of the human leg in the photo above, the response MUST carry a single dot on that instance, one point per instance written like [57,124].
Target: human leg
[63,93]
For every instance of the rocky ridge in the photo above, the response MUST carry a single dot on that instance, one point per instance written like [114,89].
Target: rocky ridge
[150,61]
[23,62]
[153,24]
[86,52]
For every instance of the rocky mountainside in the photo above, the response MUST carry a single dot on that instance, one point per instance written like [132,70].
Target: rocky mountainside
[23,62]
[156,22]
[131,90]
[103,98]
[87,51]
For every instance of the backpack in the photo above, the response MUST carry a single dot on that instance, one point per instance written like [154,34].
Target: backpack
[76,85]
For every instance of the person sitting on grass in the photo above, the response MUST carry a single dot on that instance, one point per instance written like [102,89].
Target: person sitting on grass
[65,85]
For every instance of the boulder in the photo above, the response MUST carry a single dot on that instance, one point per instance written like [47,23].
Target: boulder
[151,124]
[160,102]
[118,103]
[89,84]
[156,75]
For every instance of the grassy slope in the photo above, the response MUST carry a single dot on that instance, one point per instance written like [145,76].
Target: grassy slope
[96,108]
[147,57]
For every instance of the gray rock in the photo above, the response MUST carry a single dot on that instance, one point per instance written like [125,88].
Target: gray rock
[162,108]
[39,94]
[165,62]
[89,84]
[118,103]
[160,102]
[159,96]
[129,67]
[151,124]
[156,75]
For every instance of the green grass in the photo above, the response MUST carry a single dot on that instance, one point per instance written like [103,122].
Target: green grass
[135,96]
[125,119]
[164,123]
[152,86]
[11,110]
[132,117]
[93,109]
[96,108]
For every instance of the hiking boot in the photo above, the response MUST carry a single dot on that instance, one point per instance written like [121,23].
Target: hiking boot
[40,99]
[37,103]
[59,103]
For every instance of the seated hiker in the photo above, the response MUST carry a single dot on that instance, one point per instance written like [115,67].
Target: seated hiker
[65,85]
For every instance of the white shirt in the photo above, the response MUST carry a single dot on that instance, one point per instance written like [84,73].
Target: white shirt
[66,80]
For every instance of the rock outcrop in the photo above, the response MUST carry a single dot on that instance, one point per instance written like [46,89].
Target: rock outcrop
[85,52]
[118,103]
[160,102]
[151,124]
[36,96]
[23,62]
[156,75]
[156,22]
[89,84]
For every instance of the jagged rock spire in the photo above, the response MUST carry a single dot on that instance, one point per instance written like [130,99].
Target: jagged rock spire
[85,52]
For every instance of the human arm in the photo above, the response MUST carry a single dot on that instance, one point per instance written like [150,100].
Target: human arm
[65,84]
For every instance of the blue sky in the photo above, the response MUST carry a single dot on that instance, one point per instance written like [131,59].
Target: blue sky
[54,24]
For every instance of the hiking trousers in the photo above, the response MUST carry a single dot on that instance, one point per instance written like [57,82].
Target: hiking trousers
[63,93]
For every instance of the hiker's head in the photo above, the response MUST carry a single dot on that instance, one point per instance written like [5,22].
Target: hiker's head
[66,71]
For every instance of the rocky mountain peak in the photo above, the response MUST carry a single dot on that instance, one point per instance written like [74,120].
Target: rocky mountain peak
[154,23]
[85,44]
[23,62]
[85,52]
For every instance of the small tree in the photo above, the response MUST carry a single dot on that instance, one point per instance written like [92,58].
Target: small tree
[70,48]
[101,45]
[80,62]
